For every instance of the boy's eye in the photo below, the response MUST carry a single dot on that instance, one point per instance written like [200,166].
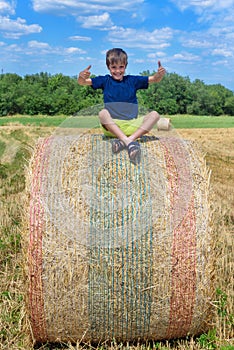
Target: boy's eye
[119,67]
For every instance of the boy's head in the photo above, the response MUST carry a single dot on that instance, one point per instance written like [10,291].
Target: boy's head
[115,56]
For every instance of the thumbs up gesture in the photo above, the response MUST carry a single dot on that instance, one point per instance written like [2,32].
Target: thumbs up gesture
[85,74]
[161,70]
[157,77]
[160,73]
[83,78]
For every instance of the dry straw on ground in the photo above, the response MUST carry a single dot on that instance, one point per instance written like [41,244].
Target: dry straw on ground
[117,251]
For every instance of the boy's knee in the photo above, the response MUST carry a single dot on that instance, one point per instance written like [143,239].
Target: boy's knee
[104,115]
[155,116]
[101,113]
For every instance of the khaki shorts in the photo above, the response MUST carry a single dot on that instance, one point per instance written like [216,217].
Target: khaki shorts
[127,126]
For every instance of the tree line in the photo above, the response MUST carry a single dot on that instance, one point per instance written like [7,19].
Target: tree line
[58,94]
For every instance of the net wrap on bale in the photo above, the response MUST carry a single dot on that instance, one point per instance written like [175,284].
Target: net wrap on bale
[118,251]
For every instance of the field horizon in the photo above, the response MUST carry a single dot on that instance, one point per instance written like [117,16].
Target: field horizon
[178,121]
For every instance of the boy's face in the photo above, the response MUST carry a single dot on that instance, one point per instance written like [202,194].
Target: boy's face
[117,70]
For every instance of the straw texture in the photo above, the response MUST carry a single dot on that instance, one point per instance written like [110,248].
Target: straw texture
[117,250]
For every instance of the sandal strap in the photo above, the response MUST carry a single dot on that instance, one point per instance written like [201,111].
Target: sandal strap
[117,146]
[134,152]
[132,146]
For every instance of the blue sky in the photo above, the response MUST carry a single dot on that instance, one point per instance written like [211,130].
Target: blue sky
[193,38]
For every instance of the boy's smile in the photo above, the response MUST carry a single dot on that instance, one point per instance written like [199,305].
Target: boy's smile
[117,71]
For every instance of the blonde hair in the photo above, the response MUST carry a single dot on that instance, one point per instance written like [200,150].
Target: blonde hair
[116,55]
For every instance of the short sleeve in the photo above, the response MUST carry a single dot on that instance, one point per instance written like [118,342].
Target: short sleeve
[141,82]
[98,82]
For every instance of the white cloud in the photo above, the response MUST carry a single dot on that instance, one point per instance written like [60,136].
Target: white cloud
[139,60]
[80,38]
[220,32]
[214,41]
[222,52]
[199,5]
[186,57]
[156,55]
[81,7]
[38,45]
[13,48]
[72,50]
[7,7]
[95,21]
[42,48]
[218,13]
[220,63]
[14,29]
[196,43]
[157,39]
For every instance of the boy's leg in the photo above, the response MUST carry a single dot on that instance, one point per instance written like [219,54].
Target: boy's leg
[108,123]
[133,147]
[148,123]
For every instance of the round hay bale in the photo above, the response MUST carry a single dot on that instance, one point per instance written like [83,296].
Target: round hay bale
[117,251]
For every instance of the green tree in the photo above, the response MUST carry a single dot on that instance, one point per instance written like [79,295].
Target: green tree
[229,106]
[170,96]
[218,95]
[43,93]
[8,94]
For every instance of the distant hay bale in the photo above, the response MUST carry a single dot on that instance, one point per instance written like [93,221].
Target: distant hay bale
[117,251]
[164,124]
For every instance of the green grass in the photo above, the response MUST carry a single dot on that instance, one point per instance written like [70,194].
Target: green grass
[178,121]
[192,122]
[32,120]
[81,122]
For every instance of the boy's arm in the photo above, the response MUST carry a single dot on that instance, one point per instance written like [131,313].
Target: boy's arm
[84,77]
[157,77]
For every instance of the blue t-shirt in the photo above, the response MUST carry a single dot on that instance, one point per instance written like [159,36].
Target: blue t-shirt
[120,96]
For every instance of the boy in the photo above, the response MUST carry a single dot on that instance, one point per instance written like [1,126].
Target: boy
[119,117]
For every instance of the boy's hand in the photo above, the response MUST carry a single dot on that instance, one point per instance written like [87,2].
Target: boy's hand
[85,74]
[161,70]
[83,78]
[157,77]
